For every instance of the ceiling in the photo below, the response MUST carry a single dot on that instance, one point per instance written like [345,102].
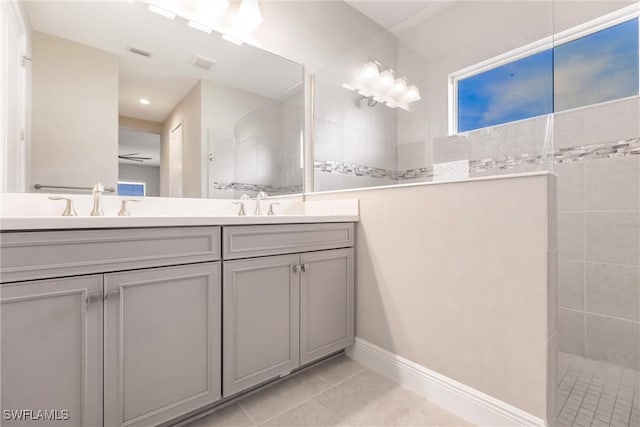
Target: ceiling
[388,14]
[399,16]
[168,75]
[145,144]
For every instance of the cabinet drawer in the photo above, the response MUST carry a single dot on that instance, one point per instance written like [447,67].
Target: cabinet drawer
[260,240]
[36,255]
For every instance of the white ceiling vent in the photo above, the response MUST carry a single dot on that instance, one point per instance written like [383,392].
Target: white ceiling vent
[139,52]
[203,62]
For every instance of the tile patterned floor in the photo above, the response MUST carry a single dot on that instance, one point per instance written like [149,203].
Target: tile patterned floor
[340,392]
[597,394]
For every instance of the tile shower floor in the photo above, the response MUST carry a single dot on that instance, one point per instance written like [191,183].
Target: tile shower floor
[592,393]
[339,392]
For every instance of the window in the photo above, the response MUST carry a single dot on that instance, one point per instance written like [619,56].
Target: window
[515,91]
[596,68]
[131,188]
[538,79]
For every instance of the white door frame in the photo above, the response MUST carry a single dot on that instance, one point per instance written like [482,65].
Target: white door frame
[13,162]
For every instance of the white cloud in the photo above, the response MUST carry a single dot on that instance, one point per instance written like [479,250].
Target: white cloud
[528,95]
[582,80]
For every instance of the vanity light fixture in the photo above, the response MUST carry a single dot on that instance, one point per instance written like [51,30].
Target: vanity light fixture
[232,39]
[144,101]
[380,84]
[199,26]
[163,12]
[248,16]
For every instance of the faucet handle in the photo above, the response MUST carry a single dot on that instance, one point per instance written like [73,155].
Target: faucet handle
[241,212]
[260,196]
[69,210]
[245,196]
[271,208]
[123,207]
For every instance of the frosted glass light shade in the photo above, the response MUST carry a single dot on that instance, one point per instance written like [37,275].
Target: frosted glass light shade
[249,16]
[400,87]
[386,80]
[211,9]
[413,94]
[369,71]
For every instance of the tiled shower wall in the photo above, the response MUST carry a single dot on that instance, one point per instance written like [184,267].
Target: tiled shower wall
[354,144]
[263,153]
[599,234]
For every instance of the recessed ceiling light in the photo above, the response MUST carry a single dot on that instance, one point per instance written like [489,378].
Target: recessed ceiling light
[233,40]
[199,26]
[348,86]
[160,11]
[144,101]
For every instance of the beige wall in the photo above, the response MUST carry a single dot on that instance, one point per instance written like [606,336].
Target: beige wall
[189,113]
[75,113]
[454,277]
[140,125]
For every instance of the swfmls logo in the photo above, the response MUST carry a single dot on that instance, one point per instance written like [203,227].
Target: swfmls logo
[35,415]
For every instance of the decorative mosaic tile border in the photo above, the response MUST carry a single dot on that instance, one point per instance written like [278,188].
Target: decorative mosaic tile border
[624,148]
[509,162]
[424,173]
[627,147]
[342,168]
[269,189]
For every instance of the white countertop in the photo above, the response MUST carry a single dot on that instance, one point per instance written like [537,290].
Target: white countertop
[61,223]
[21,212]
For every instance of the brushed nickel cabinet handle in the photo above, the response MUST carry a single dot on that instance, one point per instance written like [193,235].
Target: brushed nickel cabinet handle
[94,298]
[112,293]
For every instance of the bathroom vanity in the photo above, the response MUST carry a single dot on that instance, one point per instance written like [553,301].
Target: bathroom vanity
[138,326]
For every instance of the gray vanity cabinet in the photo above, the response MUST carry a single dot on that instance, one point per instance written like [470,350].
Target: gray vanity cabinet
[51,352]
[121,327]
[290,302]
[326,303]
[162,342]
[137,327]
[260,320]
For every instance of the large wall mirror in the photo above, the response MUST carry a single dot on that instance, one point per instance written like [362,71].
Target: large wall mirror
[153,106]
[461,89]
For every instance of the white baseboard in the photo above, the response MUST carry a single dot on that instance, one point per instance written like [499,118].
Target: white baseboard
[470,404]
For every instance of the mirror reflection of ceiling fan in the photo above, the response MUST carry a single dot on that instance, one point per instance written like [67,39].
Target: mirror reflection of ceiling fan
[133,157]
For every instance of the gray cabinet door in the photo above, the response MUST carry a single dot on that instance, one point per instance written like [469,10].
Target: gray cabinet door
[260,320]
[51,350]
[162,343]
[326,303]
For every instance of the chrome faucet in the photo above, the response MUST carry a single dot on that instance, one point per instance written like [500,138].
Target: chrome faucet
[260,196]
[98,189]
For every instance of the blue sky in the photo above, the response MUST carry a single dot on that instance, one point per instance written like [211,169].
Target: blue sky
[514,91]
[596,68]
